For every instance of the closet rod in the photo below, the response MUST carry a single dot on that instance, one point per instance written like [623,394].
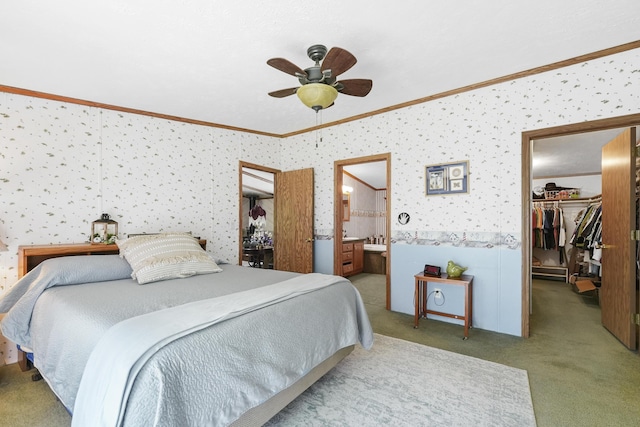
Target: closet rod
[551,203]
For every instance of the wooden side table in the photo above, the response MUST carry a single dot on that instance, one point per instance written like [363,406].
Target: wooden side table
[259,258]
[421,293]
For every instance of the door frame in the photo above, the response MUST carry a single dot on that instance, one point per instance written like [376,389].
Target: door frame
[527,138]
[242,164]
[338,213]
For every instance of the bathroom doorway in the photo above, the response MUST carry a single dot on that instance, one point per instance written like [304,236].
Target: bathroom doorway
[345,215]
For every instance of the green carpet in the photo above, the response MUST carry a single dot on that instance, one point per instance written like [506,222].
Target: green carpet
[579,374]
[27,403]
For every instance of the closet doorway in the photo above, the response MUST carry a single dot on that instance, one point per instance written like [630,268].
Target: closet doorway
[340,217]
[623,299]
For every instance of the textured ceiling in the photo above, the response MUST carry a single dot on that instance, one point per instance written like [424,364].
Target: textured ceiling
[579,154]
[206,60]
[372,173]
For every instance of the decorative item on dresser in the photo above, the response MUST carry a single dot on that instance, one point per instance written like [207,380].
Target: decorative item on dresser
[104,230]
[454,270]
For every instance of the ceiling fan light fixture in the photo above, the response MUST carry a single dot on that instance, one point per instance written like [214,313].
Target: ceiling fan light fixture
[317,95]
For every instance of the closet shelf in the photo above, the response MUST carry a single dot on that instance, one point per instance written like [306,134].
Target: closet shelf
[550,271]
[570,199]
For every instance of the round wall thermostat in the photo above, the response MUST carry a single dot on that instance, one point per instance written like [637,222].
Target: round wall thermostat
[404,218]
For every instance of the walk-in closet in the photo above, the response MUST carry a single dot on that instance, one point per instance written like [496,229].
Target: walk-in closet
[584,221]
[570,231]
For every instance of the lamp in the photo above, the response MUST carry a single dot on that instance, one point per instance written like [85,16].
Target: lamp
[317,95]
[104,230]
[257,216]
[3,247]
[346,189]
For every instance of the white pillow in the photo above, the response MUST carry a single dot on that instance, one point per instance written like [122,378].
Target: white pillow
[165,256]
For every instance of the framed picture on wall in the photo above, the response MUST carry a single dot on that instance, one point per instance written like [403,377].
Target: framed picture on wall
[447,178]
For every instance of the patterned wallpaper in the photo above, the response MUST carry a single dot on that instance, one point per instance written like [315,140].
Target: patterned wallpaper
[163,175]
[156,175]
[483,126]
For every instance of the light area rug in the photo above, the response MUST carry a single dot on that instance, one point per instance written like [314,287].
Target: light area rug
[400,383]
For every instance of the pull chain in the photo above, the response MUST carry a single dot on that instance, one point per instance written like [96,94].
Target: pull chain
[318,128]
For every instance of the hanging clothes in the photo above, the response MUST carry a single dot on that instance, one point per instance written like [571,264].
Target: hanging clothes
[588,232]
[548,227]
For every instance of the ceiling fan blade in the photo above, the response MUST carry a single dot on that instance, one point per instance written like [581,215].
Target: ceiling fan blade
[283,92]
[338,61]
[286,66]
[356,87]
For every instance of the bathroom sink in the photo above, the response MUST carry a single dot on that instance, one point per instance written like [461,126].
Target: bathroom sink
[350,239]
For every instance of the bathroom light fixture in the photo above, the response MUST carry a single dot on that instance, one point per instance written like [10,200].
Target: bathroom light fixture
[346,189]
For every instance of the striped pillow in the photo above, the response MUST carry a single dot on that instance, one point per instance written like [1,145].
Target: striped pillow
[165,256]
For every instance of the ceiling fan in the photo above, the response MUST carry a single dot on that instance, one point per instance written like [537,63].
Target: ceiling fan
[320,86]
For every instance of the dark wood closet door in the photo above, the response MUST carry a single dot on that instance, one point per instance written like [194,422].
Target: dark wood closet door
[293,250]
[618,293]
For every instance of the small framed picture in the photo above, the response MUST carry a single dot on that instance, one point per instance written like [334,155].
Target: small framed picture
[447,178]
[437,180]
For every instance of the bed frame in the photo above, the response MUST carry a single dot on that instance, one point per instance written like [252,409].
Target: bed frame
[30,256]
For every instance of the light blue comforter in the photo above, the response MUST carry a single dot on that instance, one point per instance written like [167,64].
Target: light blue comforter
[208,376]
[22,297]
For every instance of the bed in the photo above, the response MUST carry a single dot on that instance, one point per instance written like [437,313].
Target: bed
[229,347]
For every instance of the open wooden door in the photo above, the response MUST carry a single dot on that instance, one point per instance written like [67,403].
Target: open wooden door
[293,246]
[618,294]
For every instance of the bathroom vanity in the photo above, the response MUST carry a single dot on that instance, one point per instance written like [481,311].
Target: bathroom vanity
[352,256]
